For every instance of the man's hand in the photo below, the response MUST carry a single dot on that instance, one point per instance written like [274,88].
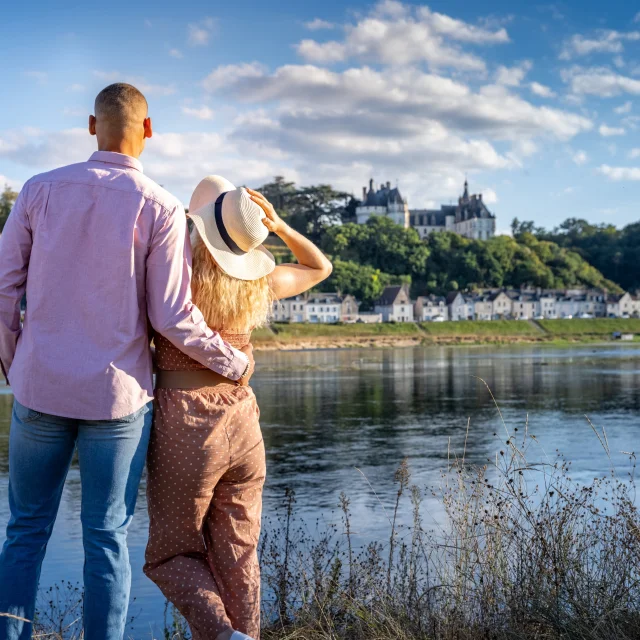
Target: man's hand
[248,351]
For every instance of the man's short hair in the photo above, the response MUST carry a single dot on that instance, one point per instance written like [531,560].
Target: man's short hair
[121,104]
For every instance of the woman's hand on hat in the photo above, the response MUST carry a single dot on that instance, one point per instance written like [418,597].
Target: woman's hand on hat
[272,221]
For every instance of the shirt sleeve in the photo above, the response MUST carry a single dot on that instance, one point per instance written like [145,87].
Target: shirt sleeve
[15,251]
[170,308]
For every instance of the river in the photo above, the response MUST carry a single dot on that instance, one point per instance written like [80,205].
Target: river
[326,414]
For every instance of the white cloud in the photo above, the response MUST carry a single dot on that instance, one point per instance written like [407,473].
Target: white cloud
[16,185]
[199,33]
[604,41]
[599,81]
[513,76]
[619,174]
[139,83]
[176,53]
[637,17]
[405,98]
[623,108]
[75,112]
[202,113]
[542,90]
[619,62]
[607,132]
[317,24]
[461,31]
[322,53]
[40,77]
[223,77]
[40,150]
[634,153]
[427,129]
[580,157]
[552,9]
[489,196]
[398,34]
[176,160]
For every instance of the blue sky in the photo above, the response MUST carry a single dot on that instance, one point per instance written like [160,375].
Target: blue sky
[538,104]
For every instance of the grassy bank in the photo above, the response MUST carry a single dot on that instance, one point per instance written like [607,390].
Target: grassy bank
[284,335]
[304,336]
[597,327]
[482,329]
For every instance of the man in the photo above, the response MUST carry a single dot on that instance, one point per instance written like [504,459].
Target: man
[98,248]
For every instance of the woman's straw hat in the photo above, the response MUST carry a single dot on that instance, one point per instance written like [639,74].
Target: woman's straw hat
[230,225]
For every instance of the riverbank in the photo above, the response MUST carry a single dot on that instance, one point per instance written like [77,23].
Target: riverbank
[281,336]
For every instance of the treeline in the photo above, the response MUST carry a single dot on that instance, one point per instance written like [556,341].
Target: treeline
[369,257]
[611,250]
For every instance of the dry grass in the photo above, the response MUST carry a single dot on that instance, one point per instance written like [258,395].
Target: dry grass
[525,553]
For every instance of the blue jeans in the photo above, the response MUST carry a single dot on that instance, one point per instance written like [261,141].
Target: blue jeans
[111,454]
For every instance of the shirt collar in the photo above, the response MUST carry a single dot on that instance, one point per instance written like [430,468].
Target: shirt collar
[111,157]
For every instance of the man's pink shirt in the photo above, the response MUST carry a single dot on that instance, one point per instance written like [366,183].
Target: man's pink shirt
[99,248]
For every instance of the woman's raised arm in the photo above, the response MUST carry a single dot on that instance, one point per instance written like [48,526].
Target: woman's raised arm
[289,280]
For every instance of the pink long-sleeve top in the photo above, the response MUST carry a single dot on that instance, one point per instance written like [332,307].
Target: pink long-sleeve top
[98,247]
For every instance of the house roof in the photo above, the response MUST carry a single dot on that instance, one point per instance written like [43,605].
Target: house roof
[390,295]
[430,299]
[324,298]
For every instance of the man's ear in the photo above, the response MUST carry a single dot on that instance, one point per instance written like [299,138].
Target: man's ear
[148,128]
[92,125]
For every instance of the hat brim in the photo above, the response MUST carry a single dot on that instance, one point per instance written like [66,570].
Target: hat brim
[253,265]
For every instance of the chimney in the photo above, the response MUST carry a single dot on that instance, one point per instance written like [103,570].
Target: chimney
[480,197]
[388,185]
[381,187]
[364,193]
[371,184]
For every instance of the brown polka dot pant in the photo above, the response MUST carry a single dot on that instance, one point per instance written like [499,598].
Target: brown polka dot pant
[206,469]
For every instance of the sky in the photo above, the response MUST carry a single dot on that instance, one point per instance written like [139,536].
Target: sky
[538,105]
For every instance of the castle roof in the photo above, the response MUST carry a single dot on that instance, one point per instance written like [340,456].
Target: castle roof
[383,196]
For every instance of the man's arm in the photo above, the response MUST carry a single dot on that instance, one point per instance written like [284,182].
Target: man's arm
[169,305]
[15,251]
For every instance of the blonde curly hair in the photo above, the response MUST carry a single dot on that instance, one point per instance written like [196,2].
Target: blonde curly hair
[228,304]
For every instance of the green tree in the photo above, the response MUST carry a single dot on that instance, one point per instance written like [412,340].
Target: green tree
[317,208]
[382,244]
[281,194]
[7,200]
[364,282]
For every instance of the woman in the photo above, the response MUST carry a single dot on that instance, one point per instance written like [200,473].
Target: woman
[206,459]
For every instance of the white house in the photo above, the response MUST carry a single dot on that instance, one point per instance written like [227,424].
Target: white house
[290,310]
[458,306]
[502,305]
[324,308]
[568,306]
[548,305]
[430,307]
[483,306]
[524,305]
[620,305]
[395,304]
